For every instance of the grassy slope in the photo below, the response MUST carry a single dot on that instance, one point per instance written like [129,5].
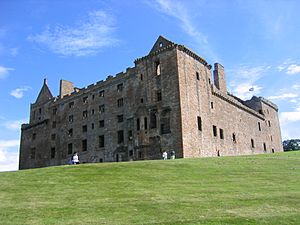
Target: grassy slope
[263,189]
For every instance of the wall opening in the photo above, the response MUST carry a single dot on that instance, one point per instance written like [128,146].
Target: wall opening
[199,123]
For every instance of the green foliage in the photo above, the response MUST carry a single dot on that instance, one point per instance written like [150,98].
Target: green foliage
[291,145]
[261,189]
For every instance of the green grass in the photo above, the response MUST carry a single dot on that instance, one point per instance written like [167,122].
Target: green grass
[261,189]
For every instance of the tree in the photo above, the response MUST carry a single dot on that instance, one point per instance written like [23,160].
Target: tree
[291,145]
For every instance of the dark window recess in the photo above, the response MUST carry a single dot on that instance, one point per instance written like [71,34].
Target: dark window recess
[141,76]
[215,131]
[54,124]
[71,105]
[32,153]
[40,111]
[145,123]
[252,143]
[212,105]
[131,153]
[70,148]
[130,135]
[120,136]
[269,122]
[101,141]
[209,80]
[142,100]
[120,102]
[93,97]
[84,114]
[93,111]
[71,118]
[197,76]
[138,127]
[221,133]
[165,126]
[265,147]
[158,96]
[153,119]
[101,160]
[120,118]
[140,155]
[120,87]
[233,137]
[93,126]
[84,128]
[70,132]
[199,123]
[101,108]
[85,99]
[101,123]
[52,153]
[271,138]
[157,68]
[53,136]
[84,145]
[259,128]
[33,136]
[54,111]
[101,93]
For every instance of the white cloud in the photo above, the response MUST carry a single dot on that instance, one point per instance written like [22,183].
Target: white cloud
[14,51]
[4,71]
[14,125]
[244,90]
[9,157]
[293,69]
[289,117]
[180,12]
[87,38]
[283,96]
[19,92]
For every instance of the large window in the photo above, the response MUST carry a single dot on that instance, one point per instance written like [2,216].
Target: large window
[101,141]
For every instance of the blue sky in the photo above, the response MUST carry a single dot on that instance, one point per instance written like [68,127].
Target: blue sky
[257,41]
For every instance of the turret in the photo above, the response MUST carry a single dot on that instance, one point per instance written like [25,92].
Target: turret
[219,77]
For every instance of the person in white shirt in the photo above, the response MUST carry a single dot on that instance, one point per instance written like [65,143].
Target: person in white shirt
[75,159]
[165,155]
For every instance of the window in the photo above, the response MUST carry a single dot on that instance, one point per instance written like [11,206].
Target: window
[70,148]
[140,155]
[84,145]
[101,123]
[259,128]
[271,138]
[93,111]
[93,126]
[233,137]
[269,122]
[131,153]
[209,80]
[84,114]
[70,132]
[141,76]
[211,105]
[52,153]
[85,99]
[71,118]
[84,128]
[120,136]
[199,123]
[265,147]
[54,124]
[215,131]
[101,108]
[120,118]
[165,127]
[160,44]
[101,141]
[120,87]
[153,120]
[158,96]
[33,136]
[101,93]
[221,133]
[197,76]
[71,105]
[54,111]
[157,68]
[145,123]
[40,111]
[120,102]
[130,135]
[93,97]
[53,136]
[252,143]
[138,124]
[142,100]
[32,153]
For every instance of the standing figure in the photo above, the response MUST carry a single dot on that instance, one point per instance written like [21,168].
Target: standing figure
[165,155]
[75,159]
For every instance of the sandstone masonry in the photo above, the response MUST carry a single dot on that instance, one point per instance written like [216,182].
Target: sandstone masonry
[167,101]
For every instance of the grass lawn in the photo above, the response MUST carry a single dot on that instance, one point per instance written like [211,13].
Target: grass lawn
[261,189]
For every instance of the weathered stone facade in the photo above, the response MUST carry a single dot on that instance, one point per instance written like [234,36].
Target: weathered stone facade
[166,102]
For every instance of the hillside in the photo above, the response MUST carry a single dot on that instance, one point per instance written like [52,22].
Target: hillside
[262,189]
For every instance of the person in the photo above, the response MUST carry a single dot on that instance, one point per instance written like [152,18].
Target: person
[165,155]
[75,159]
[172,154]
